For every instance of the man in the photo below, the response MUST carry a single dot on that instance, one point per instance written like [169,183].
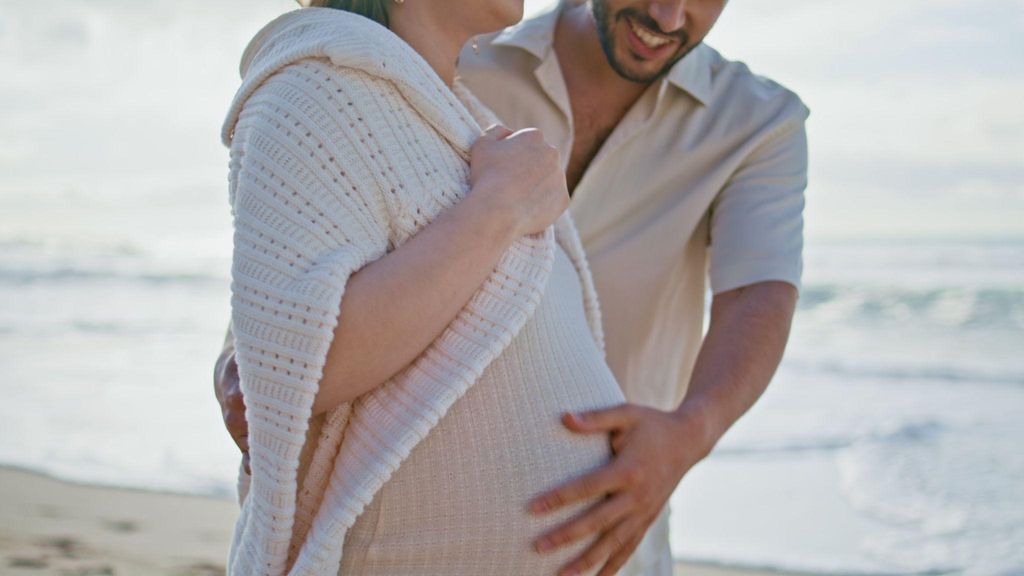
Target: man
[683,168]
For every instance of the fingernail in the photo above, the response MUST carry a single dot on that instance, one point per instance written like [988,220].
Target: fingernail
[537,506]
[543,545]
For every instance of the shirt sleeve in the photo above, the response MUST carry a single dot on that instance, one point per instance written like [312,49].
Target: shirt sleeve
[756,225]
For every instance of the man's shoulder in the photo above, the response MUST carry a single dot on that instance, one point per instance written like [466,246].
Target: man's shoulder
[736,87]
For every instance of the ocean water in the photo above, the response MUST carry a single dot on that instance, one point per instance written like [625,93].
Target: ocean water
[889,441]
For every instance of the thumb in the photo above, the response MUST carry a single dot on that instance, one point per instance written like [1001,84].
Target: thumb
[496,132]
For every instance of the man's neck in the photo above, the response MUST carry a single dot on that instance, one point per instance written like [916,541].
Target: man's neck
[584,64]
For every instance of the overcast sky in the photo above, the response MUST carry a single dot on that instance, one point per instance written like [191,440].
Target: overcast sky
[916,126]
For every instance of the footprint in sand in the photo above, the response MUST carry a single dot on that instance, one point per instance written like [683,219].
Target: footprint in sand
[201,569]
[65,546]
[21,562]
[90,571]
[126,526]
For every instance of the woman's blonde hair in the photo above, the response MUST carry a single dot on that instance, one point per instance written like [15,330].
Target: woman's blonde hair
[375,10]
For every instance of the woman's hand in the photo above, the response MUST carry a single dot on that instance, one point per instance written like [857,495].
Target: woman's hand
[521,175]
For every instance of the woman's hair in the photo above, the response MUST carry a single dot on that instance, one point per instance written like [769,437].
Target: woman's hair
[375,10]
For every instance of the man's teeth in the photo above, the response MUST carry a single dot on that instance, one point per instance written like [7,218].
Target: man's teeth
[649,39]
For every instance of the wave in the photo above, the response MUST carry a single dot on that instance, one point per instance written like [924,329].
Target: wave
[950,306]
[798,568]
[942,497]
[71,274]
[34,260]
[905,433]
[95,328]
[945,374]
[55,245]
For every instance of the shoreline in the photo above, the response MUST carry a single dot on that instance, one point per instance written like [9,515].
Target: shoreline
[50,526]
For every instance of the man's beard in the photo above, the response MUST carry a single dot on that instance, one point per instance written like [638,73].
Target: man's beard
[604,34]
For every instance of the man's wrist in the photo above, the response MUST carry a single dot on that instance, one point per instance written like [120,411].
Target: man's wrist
[698,423]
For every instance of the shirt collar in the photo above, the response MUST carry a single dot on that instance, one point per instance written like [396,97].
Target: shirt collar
[692,73]
[535,34]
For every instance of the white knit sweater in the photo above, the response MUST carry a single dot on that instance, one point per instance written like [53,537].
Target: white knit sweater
[344,143]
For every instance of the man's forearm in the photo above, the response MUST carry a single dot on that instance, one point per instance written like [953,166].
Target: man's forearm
[741,351]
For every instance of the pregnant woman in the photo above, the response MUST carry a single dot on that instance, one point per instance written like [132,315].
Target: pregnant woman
[411,307]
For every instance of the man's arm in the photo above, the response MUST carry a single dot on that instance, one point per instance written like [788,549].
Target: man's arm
[654,449]
[744,344]
[756,234]
[756,242]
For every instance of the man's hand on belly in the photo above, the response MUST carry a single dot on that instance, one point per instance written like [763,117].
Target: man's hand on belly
[650,458]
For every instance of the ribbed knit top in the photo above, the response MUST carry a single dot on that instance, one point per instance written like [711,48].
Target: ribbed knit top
[457,505]
[344,143]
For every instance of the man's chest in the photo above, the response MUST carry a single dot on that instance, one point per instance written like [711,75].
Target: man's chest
[588,136]
[593,121]
[630,165]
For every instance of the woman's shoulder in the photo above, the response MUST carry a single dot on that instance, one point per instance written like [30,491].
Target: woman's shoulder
[321,98]
[322,49]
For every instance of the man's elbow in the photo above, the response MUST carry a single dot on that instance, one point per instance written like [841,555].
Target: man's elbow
[771,302]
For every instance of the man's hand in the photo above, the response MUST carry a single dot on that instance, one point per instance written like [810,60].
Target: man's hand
[226,385]
[653,450]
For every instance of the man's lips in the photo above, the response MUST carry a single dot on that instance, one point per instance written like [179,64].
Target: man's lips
[647,44]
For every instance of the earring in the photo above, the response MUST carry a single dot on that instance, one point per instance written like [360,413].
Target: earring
[399,1]
[476,47]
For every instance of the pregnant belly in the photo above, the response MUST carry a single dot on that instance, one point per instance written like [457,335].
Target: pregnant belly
[457,505]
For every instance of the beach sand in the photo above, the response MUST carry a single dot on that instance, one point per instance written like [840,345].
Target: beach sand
[49,526]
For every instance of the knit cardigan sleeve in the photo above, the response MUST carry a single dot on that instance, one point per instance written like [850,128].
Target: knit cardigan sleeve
[308,213]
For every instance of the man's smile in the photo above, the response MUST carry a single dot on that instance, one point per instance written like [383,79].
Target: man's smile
[646,43]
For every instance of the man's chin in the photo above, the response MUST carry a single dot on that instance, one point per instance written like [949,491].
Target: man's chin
[635,69]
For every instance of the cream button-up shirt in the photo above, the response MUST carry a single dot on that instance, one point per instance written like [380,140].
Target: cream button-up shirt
[701,185]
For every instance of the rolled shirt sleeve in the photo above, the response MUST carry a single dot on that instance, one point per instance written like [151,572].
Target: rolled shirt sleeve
[756,223]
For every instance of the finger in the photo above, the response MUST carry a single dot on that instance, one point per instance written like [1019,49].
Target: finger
[609,543]
[231,366]
[231,381]
[234,419]
[528,134]
[496,132]
[612,418]
[597,483]
[243,443]
[234,399]
[618,559]
[595,520]
[224,367]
